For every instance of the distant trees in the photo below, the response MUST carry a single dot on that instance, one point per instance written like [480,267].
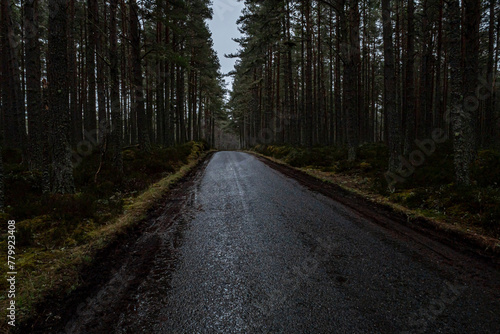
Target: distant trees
[101,75]
[351,72]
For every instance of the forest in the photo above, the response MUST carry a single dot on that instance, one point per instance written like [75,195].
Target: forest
[90,78]
[84,80]
[347,73]
[107,104]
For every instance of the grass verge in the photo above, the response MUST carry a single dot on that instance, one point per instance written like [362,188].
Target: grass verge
[46,270]
[457,212]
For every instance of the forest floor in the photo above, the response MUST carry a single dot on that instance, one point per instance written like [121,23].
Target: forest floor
[59,237]
[467,218]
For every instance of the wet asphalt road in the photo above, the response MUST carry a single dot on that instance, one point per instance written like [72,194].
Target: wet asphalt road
[262,254]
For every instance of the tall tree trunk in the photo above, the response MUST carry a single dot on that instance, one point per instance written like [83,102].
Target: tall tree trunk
[339,136]
[124,65]
[331,110]
[351,78]
[116,117]
[13,104]
[149,102]
[308,133]
[75,109]
[393,119]
[137,79]
[90,109]
[180,104]
[83,76]
[46,142]
[174,138]
[190,84]
[471,70]
[57,61]
[33,82]
[489,122]
[438,105]
[101,89]
[426,53]
[460,119]
[160,79]
[410,81]
[200,111]
[169,70]
[289,91]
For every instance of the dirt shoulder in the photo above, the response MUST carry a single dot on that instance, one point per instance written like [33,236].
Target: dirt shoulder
[112,246]
[388,214]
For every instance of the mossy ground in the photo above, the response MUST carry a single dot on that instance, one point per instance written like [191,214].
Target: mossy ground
[430,190]
[59,234]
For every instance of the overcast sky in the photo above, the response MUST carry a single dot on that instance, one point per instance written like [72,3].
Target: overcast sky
[224,28]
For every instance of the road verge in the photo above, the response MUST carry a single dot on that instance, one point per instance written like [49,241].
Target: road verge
[76,273]
[382,211]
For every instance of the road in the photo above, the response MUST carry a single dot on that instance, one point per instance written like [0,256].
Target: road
[252,251]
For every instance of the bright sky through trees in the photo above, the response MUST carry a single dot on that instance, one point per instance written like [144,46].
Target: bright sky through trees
[224,28]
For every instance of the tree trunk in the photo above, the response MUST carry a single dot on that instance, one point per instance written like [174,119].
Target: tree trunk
[62,168]
[489,122]
[308,133]
[459,117]
[471,70]
[339,136]
[33,82]
[393,120]
[12,102]
[351,78]
[160,80]
[90,109]
[76,133]
[116,117]
[101,90]
[438,105]
[137,79]
[426,53]
[410,81]
[180,104]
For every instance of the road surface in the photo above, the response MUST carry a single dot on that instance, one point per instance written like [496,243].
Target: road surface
[252,251]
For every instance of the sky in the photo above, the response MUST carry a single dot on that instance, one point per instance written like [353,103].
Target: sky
[224,28]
